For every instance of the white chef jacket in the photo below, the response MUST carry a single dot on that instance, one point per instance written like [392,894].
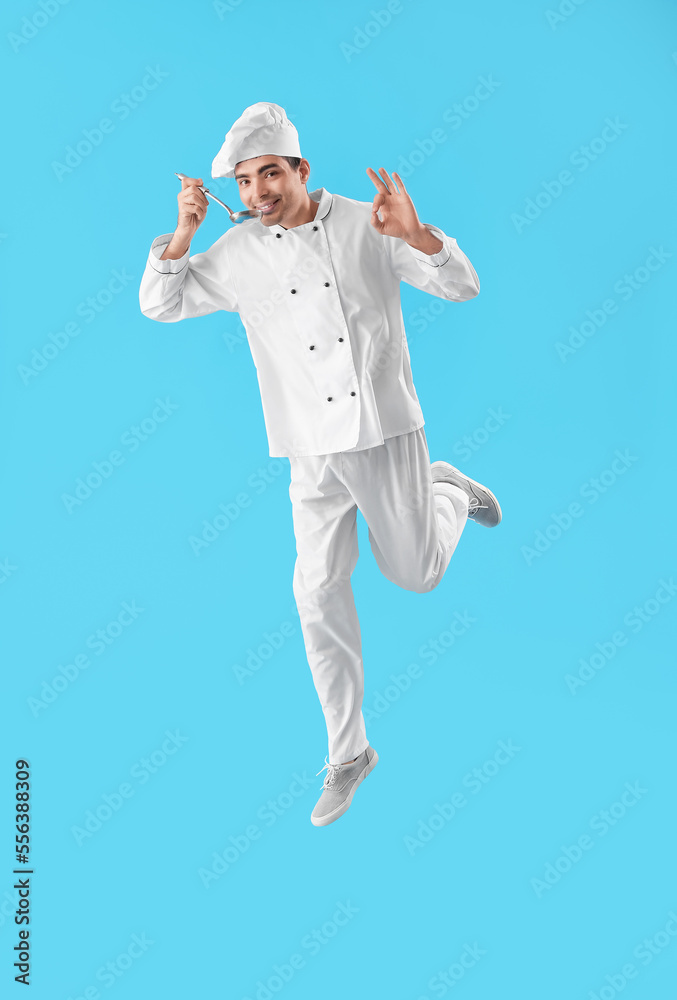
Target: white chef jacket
[320,305]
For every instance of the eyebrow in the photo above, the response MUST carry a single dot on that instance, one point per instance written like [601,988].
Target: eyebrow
[266,166]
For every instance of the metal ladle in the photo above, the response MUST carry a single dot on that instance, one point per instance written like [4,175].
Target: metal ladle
[250,213]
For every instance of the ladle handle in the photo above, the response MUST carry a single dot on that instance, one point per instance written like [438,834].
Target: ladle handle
[209,194]
[213,196]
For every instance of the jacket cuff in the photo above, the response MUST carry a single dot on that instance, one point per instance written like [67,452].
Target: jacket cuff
[166,266]
[443,255]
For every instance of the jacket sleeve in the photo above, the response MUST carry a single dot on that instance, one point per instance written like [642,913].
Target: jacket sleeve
[447,273]
[171,290]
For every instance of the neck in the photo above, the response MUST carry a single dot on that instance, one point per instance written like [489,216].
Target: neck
[306,214]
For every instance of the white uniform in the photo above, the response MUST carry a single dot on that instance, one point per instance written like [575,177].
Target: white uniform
[321,308]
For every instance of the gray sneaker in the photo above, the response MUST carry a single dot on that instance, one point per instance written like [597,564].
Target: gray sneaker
[483,507]
[340,783]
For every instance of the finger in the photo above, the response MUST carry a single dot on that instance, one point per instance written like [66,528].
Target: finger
[192,211]
[188,181]
[377,181]
[194,196]
[400,182]
[196,217]
[389,183]
[191,208]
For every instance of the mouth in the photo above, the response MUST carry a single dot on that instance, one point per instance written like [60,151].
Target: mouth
[268,207]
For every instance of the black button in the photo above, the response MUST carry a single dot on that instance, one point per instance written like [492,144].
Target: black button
[329,399]
[340,340]
[279,235]
[352,393]
[293,291]
[314,228]
[312,347]
[326,284]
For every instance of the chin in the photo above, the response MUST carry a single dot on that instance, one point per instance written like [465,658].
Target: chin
[272,220]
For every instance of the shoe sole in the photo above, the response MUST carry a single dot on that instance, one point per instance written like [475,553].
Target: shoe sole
[339,811]
[443,466]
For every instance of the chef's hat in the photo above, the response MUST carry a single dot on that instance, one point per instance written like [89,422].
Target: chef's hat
[261,128]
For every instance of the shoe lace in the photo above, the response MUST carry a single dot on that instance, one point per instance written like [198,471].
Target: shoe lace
[332,771]
[474,505]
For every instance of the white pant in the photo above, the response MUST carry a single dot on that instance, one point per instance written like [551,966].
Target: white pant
[414,527]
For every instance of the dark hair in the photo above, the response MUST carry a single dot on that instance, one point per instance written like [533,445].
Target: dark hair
[293,161]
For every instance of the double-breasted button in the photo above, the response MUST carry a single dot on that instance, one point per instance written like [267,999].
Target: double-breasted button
[314,229]
[329,399]
[326,284]
[352,393]
[340,340]
[293,291]
[311,347]
[279,235]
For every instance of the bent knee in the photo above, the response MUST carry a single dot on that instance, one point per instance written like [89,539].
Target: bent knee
[416,582]
[425,586]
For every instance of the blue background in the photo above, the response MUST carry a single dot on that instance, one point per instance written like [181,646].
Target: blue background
[361,94]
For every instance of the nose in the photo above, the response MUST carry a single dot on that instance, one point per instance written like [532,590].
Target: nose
[258,193]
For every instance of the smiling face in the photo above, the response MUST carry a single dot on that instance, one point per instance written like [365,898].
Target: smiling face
[268,183]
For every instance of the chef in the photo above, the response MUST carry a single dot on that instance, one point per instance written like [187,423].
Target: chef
[315,279]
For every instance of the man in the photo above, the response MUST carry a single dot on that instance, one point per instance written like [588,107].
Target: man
[315,280]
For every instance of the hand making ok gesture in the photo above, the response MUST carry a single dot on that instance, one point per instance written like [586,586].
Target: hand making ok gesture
[398,215]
